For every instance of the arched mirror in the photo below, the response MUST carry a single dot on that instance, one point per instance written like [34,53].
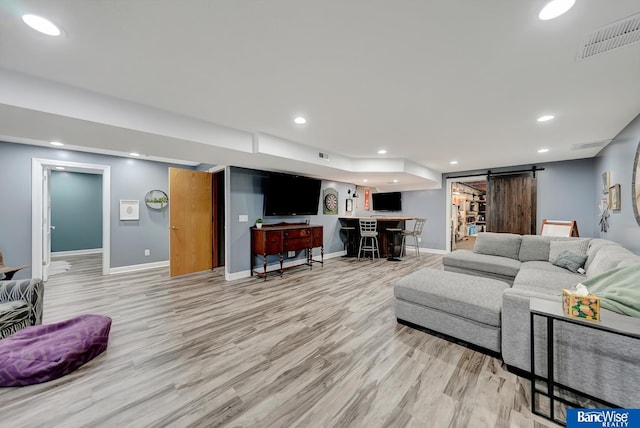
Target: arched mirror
[635,188]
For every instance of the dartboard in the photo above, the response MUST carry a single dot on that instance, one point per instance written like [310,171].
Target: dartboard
[331,201]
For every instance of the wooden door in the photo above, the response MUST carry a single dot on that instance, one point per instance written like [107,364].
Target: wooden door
[512,204]
[190,221]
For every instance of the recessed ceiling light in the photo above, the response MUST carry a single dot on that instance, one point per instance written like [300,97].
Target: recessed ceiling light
[60,168]
[300,120]
[41,24]
[395,181]
[543,150]
[382,152]
[555,8]
[56,143]
[545,118]
[134,154]
[365,180]
[453,163]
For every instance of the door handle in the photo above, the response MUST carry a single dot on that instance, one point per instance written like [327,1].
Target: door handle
[174,228]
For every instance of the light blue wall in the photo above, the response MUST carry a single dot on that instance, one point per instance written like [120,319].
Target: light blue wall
[130,179]
[618,158]
[565,191]
[247,197]
[432,206]
[429,204]
[76,211]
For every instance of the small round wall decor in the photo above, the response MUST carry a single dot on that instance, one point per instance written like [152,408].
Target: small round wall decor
[156,199]
[330,201]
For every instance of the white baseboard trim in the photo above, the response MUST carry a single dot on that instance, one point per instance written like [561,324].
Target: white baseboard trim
[334,255]
[134,268]
[276,266]
[76,252]
[433,250]
[428,250]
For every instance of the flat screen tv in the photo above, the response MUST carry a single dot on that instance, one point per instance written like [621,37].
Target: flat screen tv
[289,195]
[391,201]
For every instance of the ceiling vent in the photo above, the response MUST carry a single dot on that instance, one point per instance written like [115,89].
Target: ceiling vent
[324,156]
[586,146]
[612,36]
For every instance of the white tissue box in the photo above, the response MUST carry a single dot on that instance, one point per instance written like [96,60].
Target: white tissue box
[585,307]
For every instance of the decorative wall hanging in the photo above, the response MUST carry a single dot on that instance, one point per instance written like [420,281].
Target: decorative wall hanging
[606,181]
[349,206]
[156,199]
[614,197]
[367,194]
[635,186]
[604,215]
[330,201]
[129,209]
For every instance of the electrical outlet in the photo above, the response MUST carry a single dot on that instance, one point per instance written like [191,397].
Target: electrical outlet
[291,254]
[147,253]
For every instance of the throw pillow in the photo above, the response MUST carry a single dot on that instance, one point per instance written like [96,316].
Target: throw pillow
[570,261]
[498,244]
[534,248]
[575,246]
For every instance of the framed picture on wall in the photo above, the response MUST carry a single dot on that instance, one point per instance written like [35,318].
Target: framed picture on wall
[349,206]
[614,197]
[606,181]
[129,209]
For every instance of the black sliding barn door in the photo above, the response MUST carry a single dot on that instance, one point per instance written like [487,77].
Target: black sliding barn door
[512,204]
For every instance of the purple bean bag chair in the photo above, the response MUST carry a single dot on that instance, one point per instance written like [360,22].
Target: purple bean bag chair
[44,352]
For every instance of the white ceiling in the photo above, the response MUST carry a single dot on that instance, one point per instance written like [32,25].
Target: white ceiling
[219,82]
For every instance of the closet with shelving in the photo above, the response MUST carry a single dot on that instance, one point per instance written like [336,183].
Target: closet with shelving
[468,211]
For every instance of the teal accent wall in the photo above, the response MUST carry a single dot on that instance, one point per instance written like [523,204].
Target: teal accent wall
[76,211]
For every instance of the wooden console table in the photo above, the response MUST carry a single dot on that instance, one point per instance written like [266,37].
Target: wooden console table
[280,238]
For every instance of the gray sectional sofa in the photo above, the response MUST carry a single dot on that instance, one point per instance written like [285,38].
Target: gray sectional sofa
[589,360]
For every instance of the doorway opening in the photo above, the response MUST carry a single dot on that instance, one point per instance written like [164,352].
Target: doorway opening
[41,211]
[466,210]
[218,209]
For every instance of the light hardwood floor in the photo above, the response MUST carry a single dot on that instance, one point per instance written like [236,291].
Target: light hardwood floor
[316,348]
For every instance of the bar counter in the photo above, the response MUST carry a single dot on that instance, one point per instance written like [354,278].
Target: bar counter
[352,239]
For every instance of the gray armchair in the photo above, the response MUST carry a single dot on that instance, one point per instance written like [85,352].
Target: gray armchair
[21,304]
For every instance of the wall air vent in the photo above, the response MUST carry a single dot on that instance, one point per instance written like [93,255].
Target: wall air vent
[593,145]
[620,33]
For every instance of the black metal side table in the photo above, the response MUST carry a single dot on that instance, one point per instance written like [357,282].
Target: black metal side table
[552,312]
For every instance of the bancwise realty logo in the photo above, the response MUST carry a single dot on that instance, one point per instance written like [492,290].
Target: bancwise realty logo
[603,418]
